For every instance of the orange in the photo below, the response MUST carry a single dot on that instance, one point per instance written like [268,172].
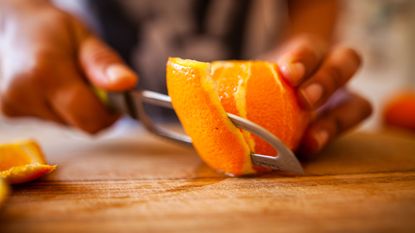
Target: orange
[400,111]
[219,143]
[4,190]
[22,161]
[202,93]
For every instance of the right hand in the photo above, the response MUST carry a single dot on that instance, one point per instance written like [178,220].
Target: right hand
[321,74]
[49,61]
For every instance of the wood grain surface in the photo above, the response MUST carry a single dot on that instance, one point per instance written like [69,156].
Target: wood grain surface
[129,181]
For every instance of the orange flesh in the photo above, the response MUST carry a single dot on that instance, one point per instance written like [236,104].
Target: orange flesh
[271,103]
[251,89]
[230,78]
[22,161]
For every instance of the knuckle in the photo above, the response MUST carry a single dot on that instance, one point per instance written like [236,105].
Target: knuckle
[98,52]
[332,123]
[41,72]
[349,54]
[57,16]
[366,107]
[32,76]
[13,89]
[353,54]
[310,50]
[334,77]
[6,109]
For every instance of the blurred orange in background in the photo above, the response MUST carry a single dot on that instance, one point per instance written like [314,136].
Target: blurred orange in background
[399,112]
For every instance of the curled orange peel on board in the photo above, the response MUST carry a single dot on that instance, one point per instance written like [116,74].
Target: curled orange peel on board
[202,93]
[22,161]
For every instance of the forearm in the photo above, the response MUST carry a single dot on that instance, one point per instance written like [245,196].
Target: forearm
[313,17]
[11,5]
[8,8]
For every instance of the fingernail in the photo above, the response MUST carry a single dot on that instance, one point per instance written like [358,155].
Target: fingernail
[294,72]
[118,72]
[312,93]
[321,138]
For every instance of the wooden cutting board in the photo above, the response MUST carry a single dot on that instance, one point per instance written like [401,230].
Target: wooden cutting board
[129,181]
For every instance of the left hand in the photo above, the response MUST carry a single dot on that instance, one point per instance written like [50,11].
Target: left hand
[317,73]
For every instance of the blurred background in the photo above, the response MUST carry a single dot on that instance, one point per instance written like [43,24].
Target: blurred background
[383,31]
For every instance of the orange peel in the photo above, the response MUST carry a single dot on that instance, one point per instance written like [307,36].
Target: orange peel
[202,93]
[22,161]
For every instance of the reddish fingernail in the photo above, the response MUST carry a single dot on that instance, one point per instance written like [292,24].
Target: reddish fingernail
[321,138]
[312,93]
[294,72]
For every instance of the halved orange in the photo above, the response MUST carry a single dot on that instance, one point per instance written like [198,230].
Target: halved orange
[202,93]
[4,190]
[22,161]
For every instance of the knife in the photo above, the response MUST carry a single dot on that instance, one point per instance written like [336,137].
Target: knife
[132,103]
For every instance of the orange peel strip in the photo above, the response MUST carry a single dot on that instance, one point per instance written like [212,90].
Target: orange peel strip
[22,161]
[219,143]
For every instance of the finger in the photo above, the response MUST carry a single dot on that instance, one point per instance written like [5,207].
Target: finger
[334,122]
[47,113]
[10,110]
[27,106]
[77,105]
[301,58]
[339,66]
[103,67]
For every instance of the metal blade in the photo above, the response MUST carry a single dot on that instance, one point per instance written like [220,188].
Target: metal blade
[284,161]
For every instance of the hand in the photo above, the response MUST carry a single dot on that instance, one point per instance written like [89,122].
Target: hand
[50,61]
[319,73]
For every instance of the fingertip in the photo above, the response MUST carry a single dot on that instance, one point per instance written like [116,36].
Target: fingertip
[104,67]
[366,107]
[293,72]
[119,78]
[321,137]
[313,142]
[311,95]
[347,58]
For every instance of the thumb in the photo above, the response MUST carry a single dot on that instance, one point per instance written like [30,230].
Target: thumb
[103,66]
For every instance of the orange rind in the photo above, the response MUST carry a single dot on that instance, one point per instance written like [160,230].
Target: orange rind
[202,93]
[22,161]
